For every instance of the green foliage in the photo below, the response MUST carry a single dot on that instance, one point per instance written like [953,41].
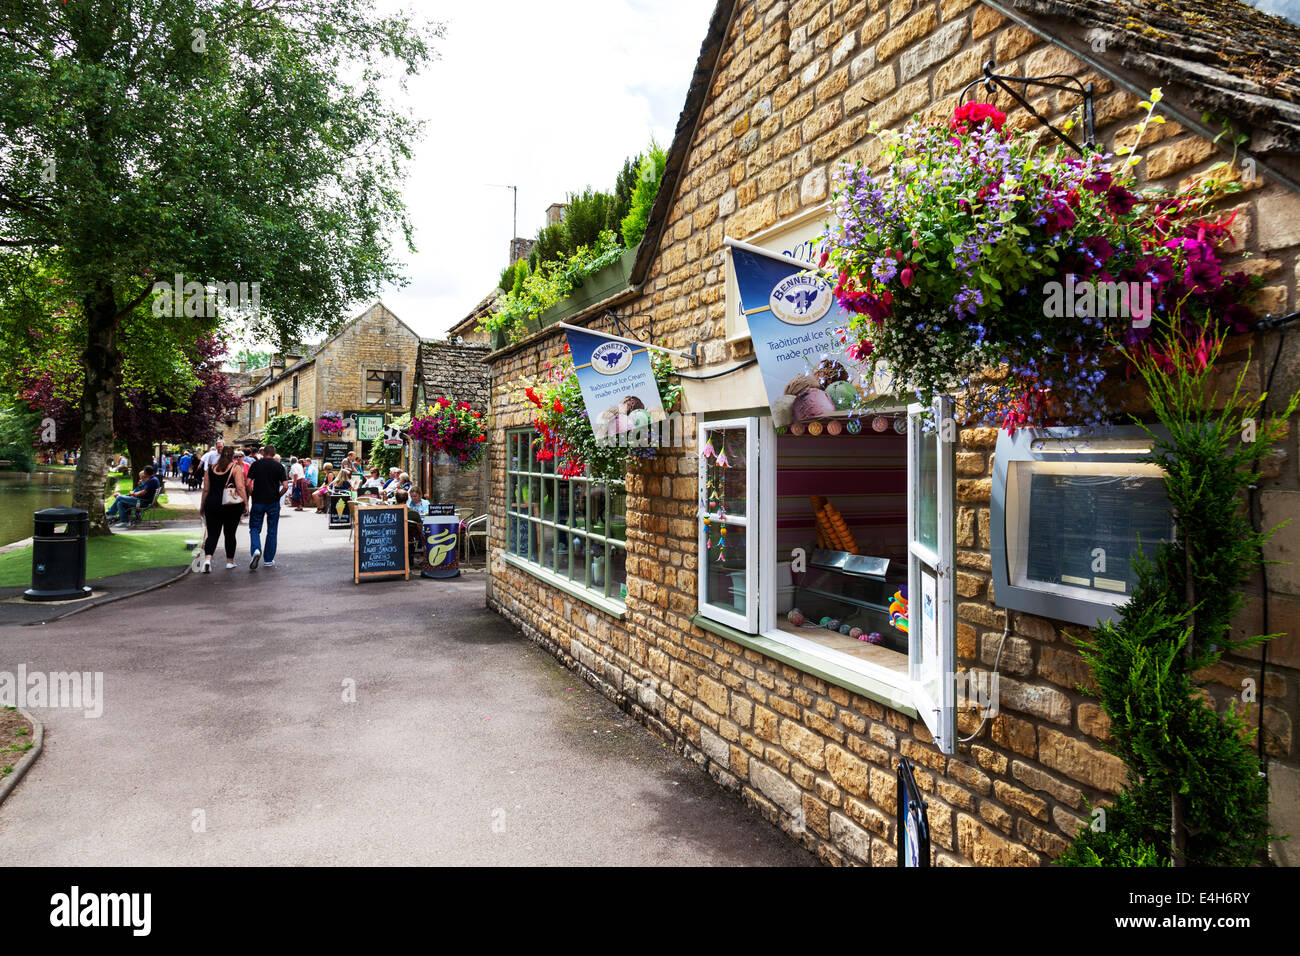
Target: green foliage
[624,187]
[513,275]
[1194,790]
[18,427]
[290,434]
[252,359]
[586,218]
[215,139]
[650,174]
[383,457]
[550,283]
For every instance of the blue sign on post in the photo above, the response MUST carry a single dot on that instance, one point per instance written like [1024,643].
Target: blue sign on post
[618,385]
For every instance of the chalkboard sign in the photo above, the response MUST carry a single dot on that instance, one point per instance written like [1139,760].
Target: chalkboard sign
[339,512]
[336,451]
[379,546]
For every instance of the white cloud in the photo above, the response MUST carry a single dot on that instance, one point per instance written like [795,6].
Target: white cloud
[550,97]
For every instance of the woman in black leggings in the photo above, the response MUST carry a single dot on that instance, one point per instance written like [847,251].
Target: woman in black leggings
[222,517]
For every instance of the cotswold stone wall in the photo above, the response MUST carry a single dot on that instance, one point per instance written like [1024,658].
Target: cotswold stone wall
[796,88]
[458,373]
[376,341]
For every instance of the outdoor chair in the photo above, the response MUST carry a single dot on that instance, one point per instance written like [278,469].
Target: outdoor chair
[476,527]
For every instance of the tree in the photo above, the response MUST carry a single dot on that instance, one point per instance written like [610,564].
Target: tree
[624,187]
[143,416]
[252,359]
[231,142]
[290,434]
[1195,796]
[649,176]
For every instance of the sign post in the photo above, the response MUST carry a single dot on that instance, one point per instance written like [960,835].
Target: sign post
[379,547]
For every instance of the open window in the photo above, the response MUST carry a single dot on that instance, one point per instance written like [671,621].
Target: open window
[931,594]
[830,528]
[727,531]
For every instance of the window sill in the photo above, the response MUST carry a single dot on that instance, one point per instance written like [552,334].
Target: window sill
[610,606]
[894,696]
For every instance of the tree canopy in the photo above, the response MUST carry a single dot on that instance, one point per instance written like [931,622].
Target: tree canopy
[249,143]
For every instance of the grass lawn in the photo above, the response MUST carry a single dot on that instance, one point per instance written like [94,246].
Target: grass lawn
[105,556]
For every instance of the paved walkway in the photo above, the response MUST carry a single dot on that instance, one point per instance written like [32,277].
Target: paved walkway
[225,737]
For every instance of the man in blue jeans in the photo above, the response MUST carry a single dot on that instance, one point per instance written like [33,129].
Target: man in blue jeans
[269,484]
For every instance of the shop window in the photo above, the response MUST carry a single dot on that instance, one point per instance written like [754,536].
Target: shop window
[575,528]
[728,542]
[839,544]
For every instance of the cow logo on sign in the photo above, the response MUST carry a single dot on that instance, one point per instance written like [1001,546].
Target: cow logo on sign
[392,435]
[610,358]
[800,299]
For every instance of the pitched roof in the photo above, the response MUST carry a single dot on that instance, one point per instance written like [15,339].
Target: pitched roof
[1234,60]
[470,322]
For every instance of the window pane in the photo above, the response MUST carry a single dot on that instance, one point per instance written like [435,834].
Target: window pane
[618,512]
[598,562]
[550,504]
[725,483]
[927,489]
[578,550]
[724,567]
[598,508]
[618,573]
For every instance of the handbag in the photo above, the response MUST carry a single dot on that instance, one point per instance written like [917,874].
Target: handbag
[229,494]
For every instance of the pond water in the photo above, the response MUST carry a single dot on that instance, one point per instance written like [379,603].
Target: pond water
[23,494]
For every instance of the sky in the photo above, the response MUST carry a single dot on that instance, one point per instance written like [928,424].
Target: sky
[550,97]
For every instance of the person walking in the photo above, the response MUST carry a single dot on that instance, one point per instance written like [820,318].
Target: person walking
[269,483]
[224,502]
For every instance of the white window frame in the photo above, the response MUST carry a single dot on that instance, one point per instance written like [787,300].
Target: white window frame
[932,675]
[748,621]
[915,686]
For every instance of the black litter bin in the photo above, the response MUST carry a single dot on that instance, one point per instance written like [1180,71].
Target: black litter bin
[59,555]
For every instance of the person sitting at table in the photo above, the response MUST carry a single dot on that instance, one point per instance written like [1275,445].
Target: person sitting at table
[327,478]
[143,494]
[372,484]
[417,502]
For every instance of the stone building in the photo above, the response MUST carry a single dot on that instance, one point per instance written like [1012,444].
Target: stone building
[458,373]
[810,733]
[364,372]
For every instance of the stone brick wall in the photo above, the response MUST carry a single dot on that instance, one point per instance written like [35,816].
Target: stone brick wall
[377,340]
[458,373]
[796,88]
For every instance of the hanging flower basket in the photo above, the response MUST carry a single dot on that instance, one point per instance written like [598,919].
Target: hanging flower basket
[566,436]
[453,428]
[979,250]
[331,424]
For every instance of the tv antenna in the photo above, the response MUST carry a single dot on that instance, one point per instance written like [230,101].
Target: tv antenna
[515,222]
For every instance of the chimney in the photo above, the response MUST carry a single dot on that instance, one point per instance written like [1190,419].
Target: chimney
[555,213]
[519,249]
[243,365]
